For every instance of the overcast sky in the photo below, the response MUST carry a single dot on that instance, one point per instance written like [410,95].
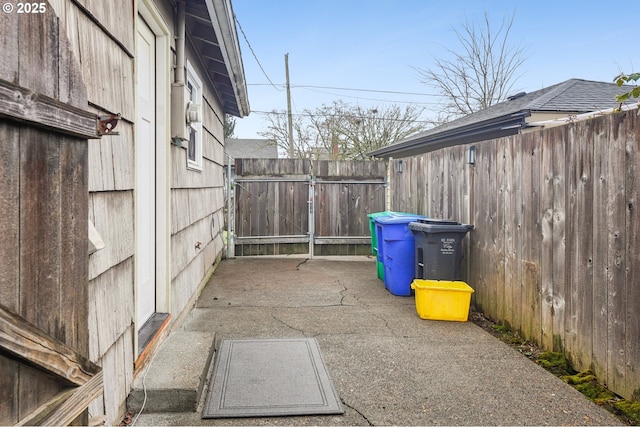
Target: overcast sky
[375,45]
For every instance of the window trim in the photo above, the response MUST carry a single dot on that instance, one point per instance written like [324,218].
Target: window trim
[194,80]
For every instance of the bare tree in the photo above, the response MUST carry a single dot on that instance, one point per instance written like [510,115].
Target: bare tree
[483,73]
[363,130]
[341,131]
[278,131]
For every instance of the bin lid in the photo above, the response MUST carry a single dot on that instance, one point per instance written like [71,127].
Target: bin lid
[374,215]
[440,228]
[439,221]
[398,219]
[444,285]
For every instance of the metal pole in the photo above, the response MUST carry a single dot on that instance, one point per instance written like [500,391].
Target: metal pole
[311,216]
[289,118]
[387,182]
[229,189]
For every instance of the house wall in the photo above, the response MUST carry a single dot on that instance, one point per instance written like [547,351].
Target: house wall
[197,200]
[555,251]
[106,56]
[102,35]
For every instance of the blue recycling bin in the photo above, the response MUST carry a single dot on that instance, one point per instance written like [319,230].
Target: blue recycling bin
[396,251]
[374,237]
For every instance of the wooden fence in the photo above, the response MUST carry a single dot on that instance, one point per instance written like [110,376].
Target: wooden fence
[555,253]
[288,206]
[45,374]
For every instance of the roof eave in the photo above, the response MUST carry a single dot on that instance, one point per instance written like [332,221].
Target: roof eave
[222,20]
[489,129]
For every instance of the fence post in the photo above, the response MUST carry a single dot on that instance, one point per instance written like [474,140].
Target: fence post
[229,189]
[387,184]
[311,214]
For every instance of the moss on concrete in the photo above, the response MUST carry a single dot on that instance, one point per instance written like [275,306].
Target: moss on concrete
[557,363]
[630,410]
[587,383]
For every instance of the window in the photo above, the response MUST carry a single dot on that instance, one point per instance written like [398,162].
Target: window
[194,128]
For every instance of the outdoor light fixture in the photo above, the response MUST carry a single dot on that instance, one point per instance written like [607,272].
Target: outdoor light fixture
[399,166]
[471,155]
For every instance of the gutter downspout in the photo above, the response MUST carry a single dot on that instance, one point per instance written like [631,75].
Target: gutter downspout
[178,96]
[180,42]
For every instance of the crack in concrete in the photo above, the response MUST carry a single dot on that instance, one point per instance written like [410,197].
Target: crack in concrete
[367,308]
[298,266]
[342,293]
[364,417]
[385,320]
[302,331]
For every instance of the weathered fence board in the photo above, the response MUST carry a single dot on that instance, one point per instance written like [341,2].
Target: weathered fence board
[48,265]
[76,404]
[579,219]
[25,340]
[511,277]
[10,369]
[558,268]
[500,217]
[9,216]
[600,250]
[44,341]
[41,111]
[555,253]
[616,257]
[531,237]
[631,384]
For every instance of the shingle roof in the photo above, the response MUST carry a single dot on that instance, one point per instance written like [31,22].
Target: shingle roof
[573,96]
[250,148]
[581,96]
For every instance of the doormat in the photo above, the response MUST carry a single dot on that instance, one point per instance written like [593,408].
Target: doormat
[270,377]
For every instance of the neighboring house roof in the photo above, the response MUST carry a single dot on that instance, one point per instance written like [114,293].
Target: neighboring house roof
[212,26]
[573,96]
[250,149]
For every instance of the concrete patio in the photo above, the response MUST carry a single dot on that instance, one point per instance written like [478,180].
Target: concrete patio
[388,365]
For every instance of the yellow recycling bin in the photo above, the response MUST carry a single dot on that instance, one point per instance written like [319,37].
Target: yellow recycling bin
[442,299]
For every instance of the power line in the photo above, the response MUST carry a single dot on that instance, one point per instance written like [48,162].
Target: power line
[432,104]
[282,113]
[364,90]
[349,89]
[254,54]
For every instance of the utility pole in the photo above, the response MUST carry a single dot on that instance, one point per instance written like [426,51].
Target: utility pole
[289,118]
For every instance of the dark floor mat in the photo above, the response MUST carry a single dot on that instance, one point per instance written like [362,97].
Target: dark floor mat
[270,377]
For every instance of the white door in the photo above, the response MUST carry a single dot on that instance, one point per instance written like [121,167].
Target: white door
[145,201]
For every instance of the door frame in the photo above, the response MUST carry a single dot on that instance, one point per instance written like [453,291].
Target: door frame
[147,11]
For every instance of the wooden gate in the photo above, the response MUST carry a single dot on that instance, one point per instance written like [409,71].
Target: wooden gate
[297,206]
[45,374]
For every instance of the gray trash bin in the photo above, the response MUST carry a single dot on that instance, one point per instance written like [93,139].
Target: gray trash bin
[438,248]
